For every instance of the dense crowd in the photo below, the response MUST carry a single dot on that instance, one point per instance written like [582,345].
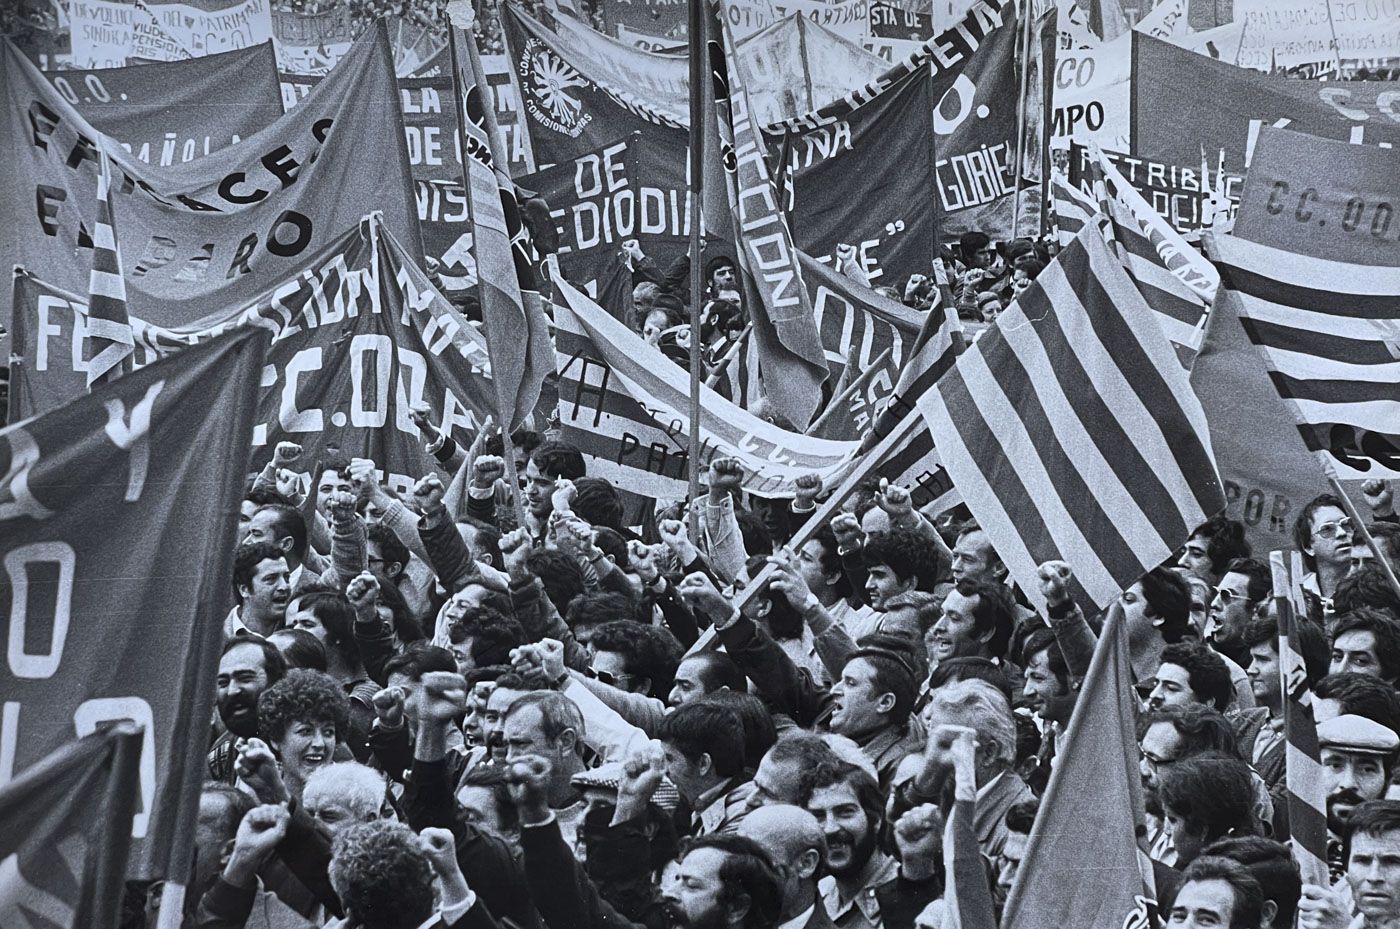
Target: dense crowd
[479,704]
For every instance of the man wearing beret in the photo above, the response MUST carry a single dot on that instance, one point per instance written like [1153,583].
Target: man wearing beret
[1357,755]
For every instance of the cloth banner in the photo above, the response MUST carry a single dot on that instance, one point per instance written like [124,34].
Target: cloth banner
[210,233]
[849,19]
[174,112]
[1093,94]
[862,168]
[1183,101]
[211,26]
[626,406]
[360,339]
[794,66]
[1177,194]
[125,623]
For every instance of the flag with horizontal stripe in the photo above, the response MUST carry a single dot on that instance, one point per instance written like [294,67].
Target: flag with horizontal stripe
[1329,333]
[1177,282]
[1072,433]
[1074,209]
[1084,867]
[65,833]
[513,317]
[108,346]
[626,406]
[1305,793]
[792,363]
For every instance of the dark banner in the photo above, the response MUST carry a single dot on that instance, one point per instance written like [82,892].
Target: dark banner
[358,344]
[173,112]
[1183,101]
[211,233]
[117,528]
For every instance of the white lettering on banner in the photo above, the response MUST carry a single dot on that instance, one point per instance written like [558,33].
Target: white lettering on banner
[975,177]
[91,714]
[38,666]
[775,261]
[17,501]
[133,437]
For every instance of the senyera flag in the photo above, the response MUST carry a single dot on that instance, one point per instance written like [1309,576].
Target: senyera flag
[118,514]
[65,827]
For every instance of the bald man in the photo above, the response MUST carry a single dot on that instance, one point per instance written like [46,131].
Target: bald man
[794,840]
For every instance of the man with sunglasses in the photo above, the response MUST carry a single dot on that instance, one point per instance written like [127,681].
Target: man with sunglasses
[1322,533]
[1245,583]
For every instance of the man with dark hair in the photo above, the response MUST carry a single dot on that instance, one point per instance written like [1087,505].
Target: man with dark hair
[724,880]
[1322,532]
[1212,546]
[590,611]
[901,571]
[1191,673]
[1372,874]
[1019,820]
[1260,730]
[262,588]
[1170,735]
[549,462]
[247,667]
[1367,641]
[1271,864]
[1244,586]
[1218,892]
[483,637]
[1205,798]
[871,704]
[1387,537]
[635,658]
[977,621]
[788,769]
[1050,692]
[704,750]
[386,555]
[705,673]
[1356,695]
[1366,586]
[850,809]
[598,503]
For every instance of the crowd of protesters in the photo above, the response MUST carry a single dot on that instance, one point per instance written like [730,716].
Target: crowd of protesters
[432,713]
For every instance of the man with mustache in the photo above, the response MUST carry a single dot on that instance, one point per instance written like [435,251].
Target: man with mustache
[247,667]
[1357,756]
[850,808]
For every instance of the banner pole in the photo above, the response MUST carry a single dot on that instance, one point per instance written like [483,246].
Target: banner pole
[1024,47]
[1365,533]
[698,75]
[865,465]
[172,906]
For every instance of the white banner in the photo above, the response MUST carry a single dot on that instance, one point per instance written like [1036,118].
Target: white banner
[101,33]
[1093,99]
[1295,32]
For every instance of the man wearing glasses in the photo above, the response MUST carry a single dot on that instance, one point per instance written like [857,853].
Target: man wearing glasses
[1322,533]
[1245,583]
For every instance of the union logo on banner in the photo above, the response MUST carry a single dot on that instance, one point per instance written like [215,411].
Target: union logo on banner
[545,80]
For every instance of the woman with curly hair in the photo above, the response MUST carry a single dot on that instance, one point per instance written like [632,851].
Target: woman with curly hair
[302,718]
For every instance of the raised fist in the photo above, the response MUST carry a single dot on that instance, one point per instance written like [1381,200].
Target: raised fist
[1379,497]
[516,547]
[726,474]
[487,470]
[363,591]
[847,531]
[1054,582]
[388,706]
[809,487]
[427,495]
[257,767]
[286,455]
[443,696]
[700,592]
[261,830]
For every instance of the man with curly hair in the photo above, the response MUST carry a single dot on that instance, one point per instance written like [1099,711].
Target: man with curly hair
[302,718]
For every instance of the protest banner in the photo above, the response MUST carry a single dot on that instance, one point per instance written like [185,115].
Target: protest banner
[1093,95]
[1312,264]
[861,168]
[105,626]
[215,25]
[794,66]
[1283,34]
[891,22]
[193,234]
[175,112]
[850,19]
[358,343]
[1183,101]
[627,408]
[1176,193]
[662,19]
[102,32]
[747,17]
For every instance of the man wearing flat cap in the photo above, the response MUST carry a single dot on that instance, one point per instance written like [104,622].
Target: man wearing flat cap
[1357,755]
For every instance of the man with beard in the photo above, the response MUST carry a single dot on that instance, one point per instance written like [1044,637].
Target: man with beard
[1357,755]
[850,808]
[262,588]
[247,667]
[793,839]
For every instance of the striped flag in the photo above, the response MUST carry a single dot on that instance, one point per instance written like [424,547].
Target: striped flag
[1074,209]
[514,321]
[1177,282]
[1072,432]
[1329,331]
[792,362]
[65,833]
[108,345]
[1084,867]
[1306,795]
